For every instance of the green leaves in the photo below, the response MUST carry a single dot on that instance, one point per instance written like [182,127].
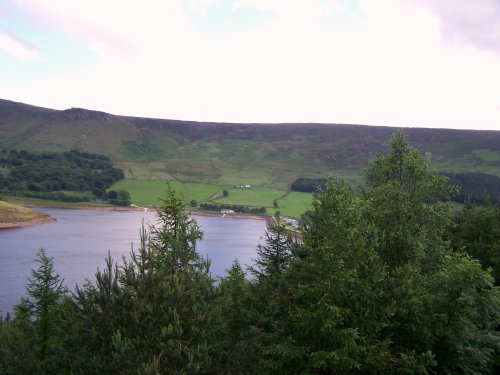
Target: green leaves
[31,343]
[476,230]
[44,287]
[402,199]
[337,311]
[372,287]
[155,313]
[273,257]
[436,324]
[464,308]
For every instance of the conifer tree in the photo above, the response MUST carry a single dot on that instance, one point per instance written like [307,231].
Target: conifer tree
[156,311]
[97,310]
[403,201]
[274,255]
[476,230]
[45,290]
[336,311]
[270,294]
[18,343]
[238,346]
[269,270]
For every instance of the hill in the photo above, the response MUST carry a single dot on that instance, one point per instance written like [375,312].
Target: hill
[271,155]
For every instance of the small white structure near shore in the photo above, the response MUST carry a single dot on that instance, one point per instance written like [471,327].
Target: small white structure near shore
[290,221]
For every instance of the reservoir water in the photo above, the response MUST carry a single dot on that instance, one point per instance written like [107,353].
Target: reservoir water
[80,240]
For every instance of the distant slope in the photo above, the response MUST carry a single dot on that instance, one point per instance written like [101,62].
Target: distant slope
[263,154]
[33,128]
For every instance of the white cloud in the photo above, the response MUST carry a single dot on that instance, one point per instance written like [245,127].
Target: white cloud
[201,6]
[464,21]
[388,66]
[293,9]
[119,26]
[4,10]
[17,48]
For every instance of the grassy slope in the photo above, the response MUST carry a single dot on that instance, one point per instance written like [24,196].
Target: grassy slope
[271,155]
[10,213]
[50,203]
[294,204]
[203,158]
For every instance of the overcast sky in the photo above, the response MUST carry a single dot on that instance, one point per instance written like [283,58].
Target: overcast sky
[422,63]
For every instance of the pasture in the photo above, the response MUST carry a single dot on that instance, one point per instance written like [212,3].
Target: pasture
[295,204]
[147,193]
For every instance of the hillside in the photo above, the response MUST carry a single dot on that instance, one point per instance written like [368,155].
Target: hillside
[272,155]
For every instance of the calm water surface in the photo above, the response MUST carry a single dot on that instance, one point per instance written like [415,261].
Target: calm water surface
[80,240]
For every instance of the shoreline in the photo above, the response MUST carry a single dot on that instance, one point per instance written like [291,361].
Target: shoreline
[74,207]
[267,218]
[28,223]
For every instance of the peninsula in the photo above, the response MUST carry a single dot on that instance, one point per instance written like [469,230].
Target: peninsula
[13,216]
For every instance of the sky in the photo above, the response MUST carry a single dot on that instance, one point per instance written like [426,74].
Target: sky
[408,63]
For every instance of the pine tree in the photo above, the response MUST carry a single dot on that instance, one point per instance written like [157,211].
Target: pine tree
[46,291]
[155,314]
[403,200]
[476,230]
[18,343]
[274,255]
[97,311]
[335,310]
[239,345]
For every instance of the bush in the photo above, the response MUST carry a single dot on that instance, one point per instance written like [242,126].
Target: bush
[308,185]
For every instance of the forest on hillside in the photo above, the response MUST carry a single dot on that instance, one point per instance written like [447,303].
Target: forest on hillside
[386,281]
[51,175]
[475,187]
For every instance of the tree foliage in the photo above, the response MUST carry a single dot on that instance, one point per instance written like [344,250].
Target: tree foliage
[403,201]
[157,309]
[378,283]
[235,208]
[50,171]
[31,342]
[402,198]
[308,185]
[475,187]
[337,309]
[48,175]
[476,230]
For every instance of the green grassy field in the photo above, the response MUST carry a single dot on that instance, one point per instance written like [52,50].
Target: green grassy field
[147,192]
[294,204]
